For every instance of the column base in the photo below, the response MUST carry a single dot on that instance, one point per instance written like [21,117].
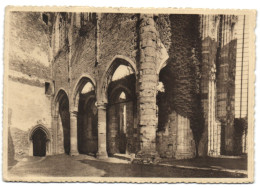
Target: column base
[74,153]
[102,155]
[146,158]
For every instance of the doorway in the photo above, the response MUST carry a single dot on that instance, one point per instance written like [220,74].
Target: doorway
[39,143]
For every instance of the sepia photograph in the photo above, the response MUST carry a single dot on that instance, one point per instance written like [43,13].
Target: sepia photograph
[128,95]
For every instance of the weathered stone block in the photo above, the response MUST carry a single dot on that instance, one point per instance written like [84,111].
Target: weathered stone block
[148,28]
[149,51]
[148,36]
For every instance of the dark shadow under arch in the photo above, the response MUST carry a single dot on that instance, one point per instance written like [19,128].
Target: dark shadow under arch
[121,115]
[87,124]
[63,111]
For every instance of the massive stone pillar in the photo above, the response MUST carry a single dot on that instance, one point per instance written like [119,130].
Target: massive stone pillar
[102,137]
[147,83]
[73,133]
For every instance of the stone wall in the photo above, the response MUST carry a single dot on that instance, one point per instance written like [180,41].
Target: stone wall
[226,94]
[181,80]
[176,141]
[218,71]
[118,36]
[29,70]
[83,50]
[167,139]
[60,73]
[89,46]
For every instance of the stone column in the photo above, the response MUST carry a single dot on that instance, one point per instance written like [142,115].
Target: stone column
[73,133]
[102,137]
[147,83]
[213,124]
[55,121]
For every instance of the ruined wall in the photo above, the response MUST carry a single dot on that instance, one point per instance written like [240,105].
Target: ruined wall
[28,71]
[118,36]
[209,35]
[61,71]
[167,139]
[226,70]
[181,82]
[219,47]
[83,49]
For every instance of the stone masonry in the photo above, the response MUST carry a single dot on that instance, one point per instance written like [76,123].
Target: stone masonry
[88,48]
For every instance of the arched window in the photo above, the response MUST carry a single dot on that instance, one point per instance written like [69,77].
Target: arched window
[122,96]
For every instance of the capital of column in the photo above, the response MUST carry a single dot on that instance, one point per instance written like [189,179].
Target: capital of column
[74,113]
[101,106]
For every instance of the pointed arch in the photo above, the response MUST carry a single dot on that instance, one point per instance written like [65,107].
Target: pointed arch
[81,82]
[61,116]
[43,128]
[57,98]
[111,68]
[118,89]
[45,142]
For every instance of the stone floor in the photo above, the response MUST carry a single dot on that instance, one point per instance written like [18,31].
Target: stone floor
[83,166]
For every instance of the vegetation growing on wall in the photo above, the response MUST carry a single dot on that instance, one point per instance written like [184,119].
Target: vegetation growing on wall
[181,77]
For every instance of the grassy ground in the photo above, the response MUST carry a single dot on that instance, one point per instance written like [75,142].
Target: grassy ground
[82,166]
[233,163]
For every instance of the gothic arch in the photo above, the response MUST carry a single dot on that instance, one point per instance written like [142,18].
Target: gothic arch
[59,95]
[43,128]
[81,82]
[118,89]
[48,139]
[109,71]
[61,116]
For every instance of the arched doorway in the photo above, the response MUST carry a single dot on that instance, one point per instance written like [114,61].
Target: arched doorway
[39,139]
[121,112]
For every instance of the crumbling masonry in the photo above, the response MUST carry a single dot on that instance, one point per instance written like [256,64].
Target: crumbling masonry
[176,101]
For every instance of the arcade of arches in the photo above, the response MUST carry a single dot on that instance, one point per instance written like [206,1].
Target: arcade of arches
[144,85]
[124,104]
[118,131]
